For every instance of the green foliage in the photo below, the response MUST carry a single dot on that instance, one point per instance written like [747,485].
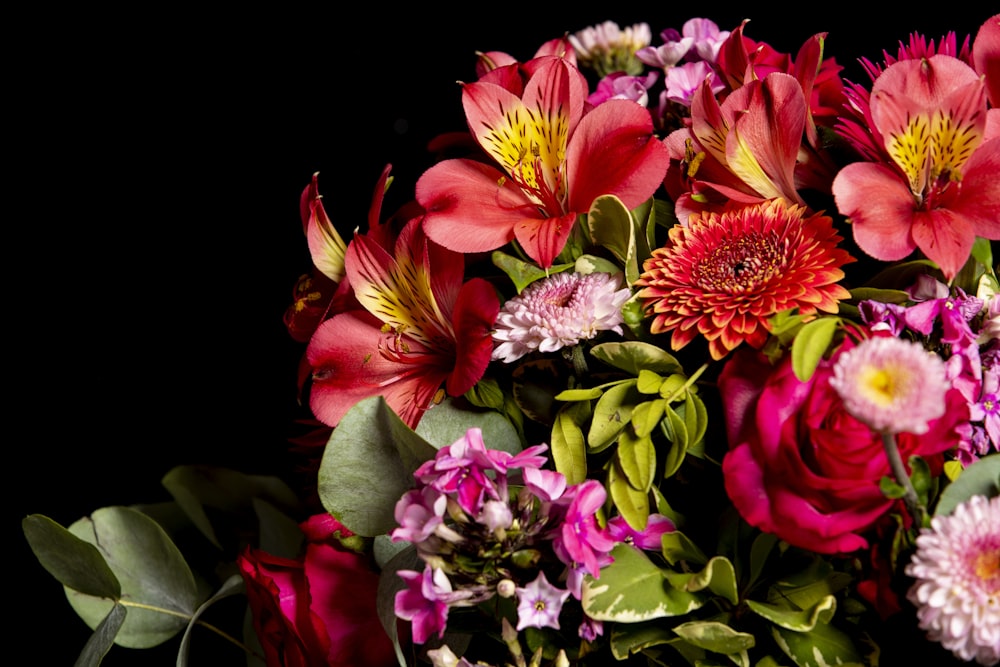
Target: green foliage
[981,478]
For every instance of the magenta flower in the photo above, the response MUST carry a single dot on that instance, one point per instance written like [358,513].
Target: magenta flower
[539,604]
[649,538]
[425,602]
[581,540]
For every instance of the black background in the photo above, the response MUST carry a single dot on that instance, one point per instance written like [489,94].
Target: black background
[155,176]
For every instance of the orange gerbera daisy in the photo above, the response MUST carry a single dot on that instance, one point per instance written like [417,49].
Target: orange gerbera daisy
[723,275]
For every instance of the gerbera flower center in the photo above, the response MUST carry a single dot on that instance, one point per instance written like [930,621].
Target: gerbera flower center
[740,264]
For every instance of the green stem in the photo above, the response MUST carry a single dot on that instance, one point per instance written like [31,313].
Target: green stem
[899,470]
[207,626]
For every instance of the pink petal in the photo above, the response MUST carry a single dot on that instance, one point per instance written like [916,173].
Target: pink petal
[880,208]
[471,206]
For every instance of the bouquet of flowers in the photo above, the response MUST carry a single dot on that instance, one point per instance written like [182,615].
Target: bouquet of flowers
[685,351]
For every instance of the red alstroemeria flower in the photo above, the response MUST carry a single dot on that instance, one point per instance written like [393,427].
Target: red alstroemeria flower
[419,327]
[941,188]
[556,159]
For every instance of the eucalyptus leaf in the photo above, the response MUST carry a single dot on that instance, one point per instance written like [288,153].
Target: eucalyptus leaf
[99,643]
[390,583]
[982,478]
[368,464]
[280,534]
[75,563]
[633,356]
[234,585]
[197,487]
[896,296]
[633,589]
[152,573]
[449,421]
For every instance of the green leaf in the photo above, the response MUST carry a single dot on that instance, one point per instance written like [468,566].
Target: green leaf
[633,589]
[810,344]
[808,587]
[152,573]
[695,418]
[678,547]
[587,264]
[647,416]
[649,382]
[982,478]
[520,272]
[610,225]
[448,422]
[234,585]
[197,487]
[390,583]
[799,620]
[676,431]
[634,356]
[75,563]
[630,638]
[579,394]
[103,639]
[632,503]
[896,296]
[637,458]
[569,446]
[715,636]
[822,646]
[718,576]
[367,465]
[280,534]
[612,413]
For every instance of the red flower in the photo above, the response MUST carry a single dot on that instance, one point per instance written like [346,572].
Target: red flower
[724,275]
[318,609]
[556,158]
[800,467]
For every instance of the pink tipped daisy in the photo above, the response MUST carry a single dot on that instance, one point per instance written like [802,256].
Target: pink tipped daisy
[724,275]
[559,311]
[892,385]
[957,589]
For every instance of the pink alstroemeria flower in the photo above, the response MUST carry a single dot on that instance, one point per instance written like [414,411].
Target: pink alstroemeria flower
[417,327]
[941,188]
[556,158]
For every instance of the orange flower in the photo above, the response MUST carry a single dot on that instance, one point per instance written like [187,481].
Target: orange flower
[723,275]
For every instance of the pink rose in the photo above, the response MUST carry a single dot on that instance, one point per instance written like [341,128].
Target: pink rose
[803,469]
[318,609]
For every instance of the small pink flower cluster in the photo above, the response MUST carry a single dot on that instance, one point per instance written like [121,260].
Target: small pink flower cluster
[489,523]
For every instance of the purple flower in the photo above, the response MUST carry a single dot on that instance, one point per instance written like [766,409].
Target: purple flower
[539,604]
[684,80]
[419,512]
[649,538]
[621,86]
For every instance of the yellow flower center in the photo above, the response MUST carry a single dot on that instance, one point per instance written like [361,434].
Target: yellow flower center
[878,385]
[987,568]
